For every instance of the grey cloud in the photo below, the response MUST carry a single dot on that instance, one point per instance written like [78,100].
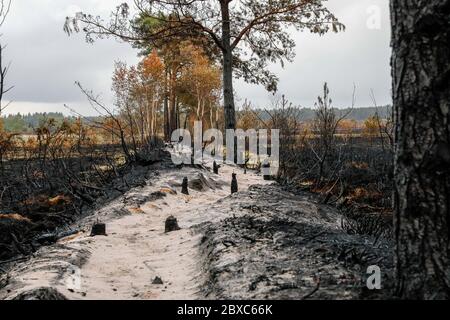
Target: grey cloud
[359,56]
[46,62]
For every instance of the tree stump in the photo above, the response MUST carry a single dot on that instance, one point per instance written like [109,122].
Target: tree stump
[184,186]
[171,224]
[98,229]
[157,280]
[266,176]
[215,168]
[234,184]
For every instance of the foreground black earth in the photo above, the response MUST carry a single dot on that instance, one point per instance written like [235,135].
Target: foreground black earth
[263,242]
[279,245]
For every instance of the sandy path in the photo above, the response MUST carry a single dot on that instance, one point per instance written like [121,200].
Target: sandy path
[136,250]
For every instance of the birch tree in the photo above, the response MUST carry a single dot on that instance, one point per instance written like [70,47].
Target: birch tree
[246,35]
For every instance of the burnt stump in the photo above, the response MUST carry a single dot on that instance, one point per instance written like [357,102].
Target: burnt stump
[215,168]
[171,224]
[184,186]
[234,184]
[98,229]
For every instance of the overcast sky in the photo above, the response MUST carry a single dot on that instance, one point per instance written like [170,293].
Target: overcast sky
[45,62]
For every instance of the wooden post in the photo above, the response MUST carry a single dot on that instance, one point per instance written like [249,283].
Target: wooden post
[215,168]
[234,184]
[184,186]
[266,166]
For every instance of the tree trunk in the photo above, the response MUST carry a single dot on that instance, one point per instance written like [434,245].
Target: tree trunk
[167,136]
[228,94]
[177,114]
[421,94]
[211,115]
[2,79]
[172,103]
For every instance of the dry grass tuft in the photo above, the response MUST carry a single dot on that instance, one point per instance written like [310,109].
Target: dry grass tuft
[136,210]
[15,216]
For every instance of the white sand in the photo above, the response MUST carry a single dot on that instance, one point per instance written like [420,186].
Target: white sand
[136,250]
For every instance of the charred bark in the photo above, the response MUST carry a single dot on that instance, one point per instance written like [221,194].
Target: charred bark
[421,94]
[171,224]
[185,186]
[228,94]
[234,184]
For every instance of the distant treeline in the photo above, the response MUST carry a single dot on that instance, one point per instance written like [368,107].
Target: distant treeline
[26,123]
[358,114]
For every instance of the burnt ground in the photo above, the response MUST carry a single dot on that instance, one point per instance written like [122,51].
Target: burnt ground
[44,217]
[265,242]
[280,245]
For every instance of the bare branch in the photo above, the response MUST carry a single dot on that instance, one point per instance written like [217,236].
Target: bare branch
[5,6]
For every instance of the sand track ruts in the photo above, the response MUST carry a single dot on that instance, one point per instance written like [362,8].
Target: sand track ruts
[123,264]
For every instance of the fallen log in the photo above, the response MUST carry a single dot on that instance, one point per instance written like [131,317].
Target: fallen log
[52,237]
[18,259]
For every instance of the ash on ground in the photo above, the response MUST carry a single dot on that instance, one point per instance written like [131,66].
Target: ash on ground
[279,245]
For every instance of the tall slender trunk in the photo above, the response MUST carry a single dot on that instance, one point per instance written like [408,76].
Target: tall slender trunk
[185,121]
[421,94]
[172,103]
[203,111]
[153,120]
[217,118]
[177,114]
[2,79]
[166,108]
[197,111]
[228,94]
[211,119]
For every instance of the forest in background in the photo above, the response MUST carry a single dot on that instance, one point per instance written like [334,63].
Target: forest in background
[27,123]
